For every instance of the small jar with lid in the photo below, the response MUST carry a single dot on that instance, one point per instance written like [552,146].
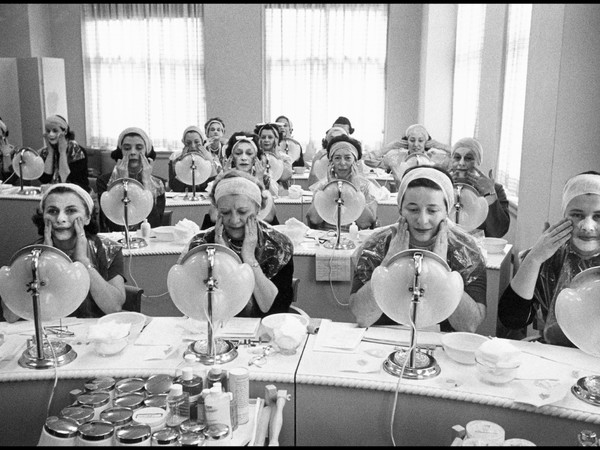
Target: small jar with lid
[129,385]
[95,434]
[101,384]
[192,426]
[153,416]
[191,439]
[158,400]
[133,434]
[158,384]
[59,432]
[119,416]
[99,400]
[134,400]
[166,437]
[217,434]
[79,413]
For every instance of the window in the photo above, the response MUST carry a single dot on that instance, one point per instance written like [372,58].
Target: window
[470,26]
[513,106]
[143,66]
[325,61]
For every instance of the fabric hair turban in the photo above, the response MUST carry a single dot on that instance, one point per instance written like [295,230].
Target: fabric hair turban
[135,130]
[210,122]
[472,144]
[195,129]
[288,120]
[586,183]
[439,178]
[238,186]
[240,139]
[341,145]
[58,120]
[417,128]
[85,196]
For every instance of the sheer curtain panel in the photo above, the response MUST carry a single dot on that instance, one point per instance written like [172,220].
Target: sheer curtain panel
[143,66]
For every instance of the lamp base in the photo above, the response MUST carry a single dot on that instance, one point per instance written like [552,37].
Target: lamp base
[587,389]
[224,351]
[56,353]
[134,242]
[344,244]
[192,197]
[30,191]
[425,365]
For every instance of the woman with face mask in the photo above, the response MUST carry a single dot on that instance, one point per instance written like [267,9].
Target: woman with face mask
[135,156]
[466,157]
[425,197]
[238,197]
[66,220]
[564,249]
[269,138]
[65,161]
[343,153]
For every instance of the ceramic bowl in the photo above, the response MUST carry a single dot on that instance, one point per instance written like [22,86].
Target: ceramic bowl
[135,319]
[461,346]
[494,245]
[109,346]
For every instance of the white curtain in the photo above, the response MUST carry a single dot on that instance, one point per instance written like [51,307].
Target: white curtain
[470,27]
[143,66]
[325,61]
[513,106]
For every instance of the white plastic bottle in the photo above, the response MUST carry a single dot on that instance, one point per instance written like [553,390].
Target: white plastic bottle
[217,406]
[145,229]
[353,231]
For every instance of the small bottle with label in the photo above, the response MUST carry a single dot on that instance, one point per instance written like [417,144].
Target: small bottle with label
[218,406]
[353,231]
[193,385]
[201,405]
[216,374]
[145,229]
[178,406]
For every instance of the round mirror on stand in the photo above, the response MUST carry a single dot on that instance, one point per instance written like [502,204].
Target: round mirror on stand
[127,203]
[30,166]
[416,288]
[578,315]
[211,284]
[192,169]
[274,166]
[339,203]
[43,284]
[470,209]
[292,148]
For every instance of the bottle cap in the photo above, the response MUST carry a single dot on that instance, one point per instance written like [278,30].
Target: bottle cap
[187,373]
[217,388]
[216,369]
[189,358]
[176,389]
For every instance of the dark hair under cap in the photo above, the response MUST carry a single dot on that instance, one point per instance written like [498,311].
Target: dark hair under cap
[345,138]
[211,120]
[233,140]
[344,121]
[269,126]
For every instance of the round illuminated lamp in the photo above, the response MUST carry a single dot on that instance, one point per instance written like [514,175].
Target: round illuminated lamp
[211,284]
[578,315]
[470,209]
[126,202]
[43,284]
[415,287]
[339,203]
[192,169]
[29,165]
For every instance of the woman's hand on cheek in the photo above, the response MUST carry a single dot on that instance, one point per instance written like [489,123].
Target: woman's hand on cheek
[219,231]
[551,240]
[48,232]
[440,247]
[400,239]
[80,253]
[250,238]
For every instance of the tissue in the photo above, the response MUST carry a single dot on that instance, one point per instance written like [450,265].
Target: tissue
[499,353]
[289,335]
[185,229]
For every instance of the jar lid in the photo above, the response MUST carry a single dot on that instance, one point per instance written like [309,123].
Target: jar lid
[487,431]
[100,383]
[96,430]
[79,413]
[62,427]
[165,436]
[191,439]
[117,415]
[191,425]
[133,433]
[128,385]
[159,384]
[216,432]
[134,400]
[150,415]
[94,399]
[159,400]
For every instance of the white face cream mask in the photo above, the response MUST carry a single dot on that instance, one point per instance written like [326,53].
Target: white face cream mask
[586,246]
